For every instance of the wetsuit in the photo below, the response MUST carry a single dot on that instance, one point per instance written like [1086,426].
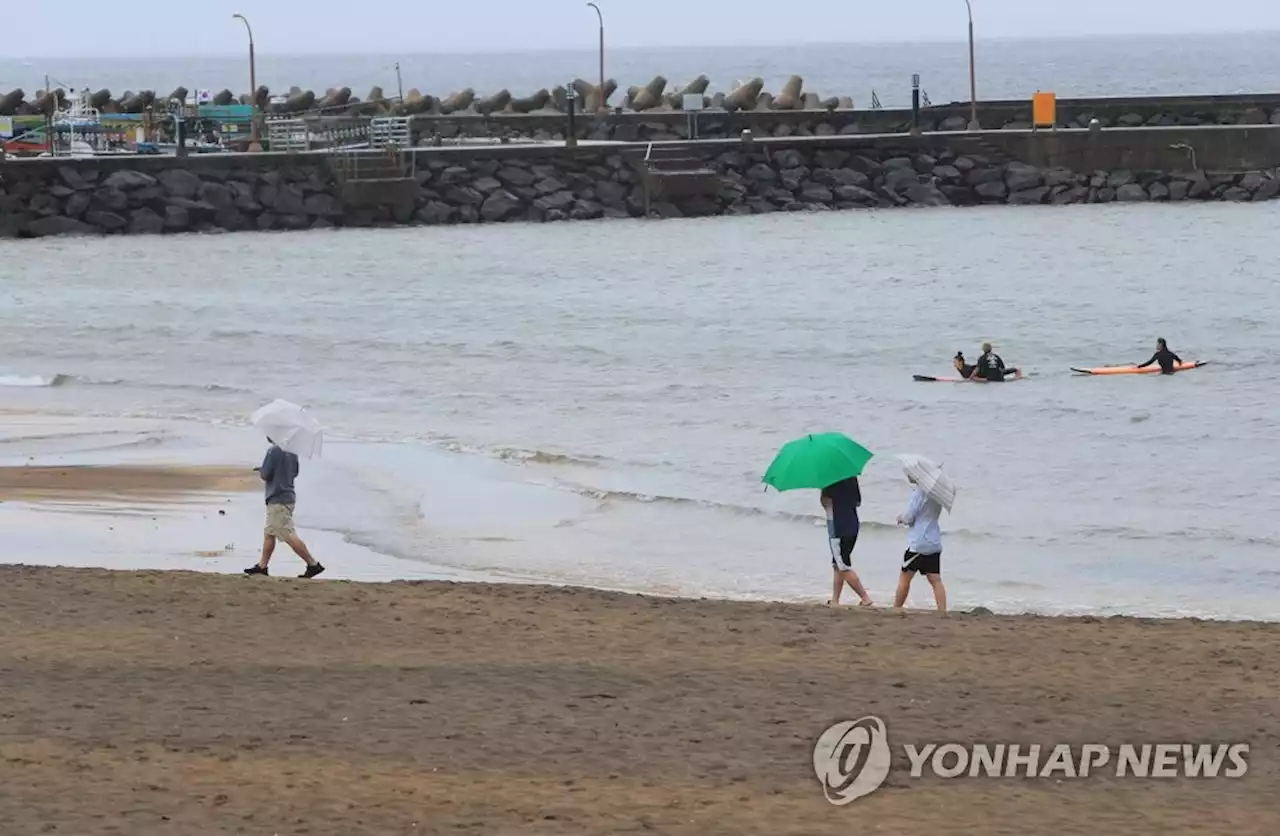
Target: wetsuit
[1168,361]
[966,370]
[991,368]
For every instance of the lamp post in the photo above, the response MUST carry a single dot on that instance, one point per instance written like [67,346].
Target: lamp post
[254,143]
[600,17]
[973,75]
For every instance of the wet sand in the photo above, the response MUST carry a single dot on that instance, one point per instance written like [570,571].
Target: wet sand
[170,702]
[121,483]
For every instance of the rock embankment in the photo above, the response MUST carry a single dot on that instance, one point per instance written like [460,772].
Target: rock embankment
[39,199]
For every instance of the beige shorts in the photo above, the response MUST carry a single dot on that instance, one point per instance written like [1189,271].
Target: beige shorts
[280,521]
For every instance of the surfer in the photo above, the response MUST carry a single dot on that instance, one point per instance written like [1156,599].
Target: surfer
[1168,361]
[991,367]
[966,370]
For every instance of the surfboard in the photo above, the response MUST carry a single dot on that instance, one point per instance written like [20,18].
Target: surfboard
[1109,370]
[921,378]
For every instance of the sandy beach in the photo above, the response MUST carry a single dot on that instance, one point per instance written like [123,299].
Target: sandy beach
[172,702]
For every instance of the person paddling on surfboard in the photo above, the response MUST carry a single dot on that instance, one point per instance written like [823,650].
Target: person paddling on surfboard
[991,367]
[1168,361]
[966,370]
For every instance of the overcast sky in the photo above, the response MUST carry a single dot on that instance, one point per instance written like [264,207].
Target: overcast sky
[95,28]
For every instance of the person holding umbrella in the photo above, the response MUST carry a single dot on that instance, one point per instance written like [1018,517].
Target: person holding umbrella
[830,463]
[933,491]
[841,502]
[279,468]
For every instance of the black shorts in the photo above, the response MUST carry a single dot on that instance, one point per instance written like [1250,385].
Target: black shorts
[925,564]
[843,561]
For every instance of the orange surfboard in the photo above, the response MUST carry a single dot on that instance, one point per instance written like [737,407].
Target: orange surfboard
[1152,369]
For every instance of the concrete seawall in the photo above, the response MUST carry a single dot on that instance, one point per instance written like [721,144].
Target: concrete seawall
[139,195]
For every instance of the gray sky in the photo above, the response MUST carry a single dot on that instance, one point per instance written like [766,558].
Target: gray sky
[81,27]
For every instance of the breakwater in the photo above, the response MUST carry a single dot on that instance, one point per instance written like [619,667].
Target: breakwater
[140,195]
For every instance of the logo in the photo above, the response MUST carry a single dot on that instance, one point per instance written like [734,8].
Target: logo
[851,759]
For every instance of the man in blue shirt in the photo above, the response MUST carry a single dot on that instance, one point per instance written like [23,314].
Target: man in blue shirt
[278,471]
[841,501]
[924,548]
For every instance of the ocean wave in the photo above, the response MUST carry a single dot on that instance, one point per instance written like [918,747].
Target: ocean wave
[33,381]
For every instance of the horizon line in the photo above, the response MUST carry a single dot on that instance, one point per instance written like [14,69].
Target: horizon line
[484,51]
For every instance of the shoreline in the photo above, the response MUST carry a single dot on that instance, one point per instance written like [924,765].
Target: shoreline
[544,710]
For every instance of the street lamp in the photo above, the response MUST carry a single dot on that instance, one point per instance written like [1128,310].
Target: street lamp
[973,75]
[254,144]
[600,16]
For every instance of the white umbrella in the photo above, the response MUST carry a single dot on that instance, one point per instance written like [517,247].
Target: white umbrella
[930,478]
[291,427]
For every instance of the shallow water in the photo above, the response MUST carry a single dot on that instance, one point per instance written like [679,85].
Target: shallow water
[595,402]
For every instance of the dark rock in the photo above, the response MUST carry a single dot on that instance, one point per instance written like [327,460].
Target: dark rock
[793,178]
[561,215]
[549,185]
[849,177]
[831,158]
[500,205]
[855,194]
[436,212]
[511,176]
[925,194]
[180,183]
[452,175]
[128,179]
[1268,189]
[145,222]
[1253,116]
[815,193]
[1132,193]
[464,196]
[1021,177]
[762,173]
[611,194]
[469,214]
[81,181]
[1179,190]
[780,196]
[978,176]
[321,205]
[991,190]
[558,201]
[61,192]
[109,221]
[788,158]
[220,196]
[1070,195]
[1059,177]
[954,123]
[77,205]
[111,198]
[267,220]
[485,185]
[147,194]
[1199,186]
[59,225]
[290,200]
[948,173]
[924,163]
[586,210]
[1029,197]
[1158,191]
[958,195]
[1105,195]
[867,166]
[245,201]
[965,164]
[904,163]
[1129,120]
[1116,179]
[44,203]
[1251,180]
[897,179]
[294,221]
[176,219]
[1235,194]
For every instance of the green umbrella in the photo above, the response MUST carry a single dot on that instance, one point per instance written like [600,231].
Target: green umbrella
[817,461]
